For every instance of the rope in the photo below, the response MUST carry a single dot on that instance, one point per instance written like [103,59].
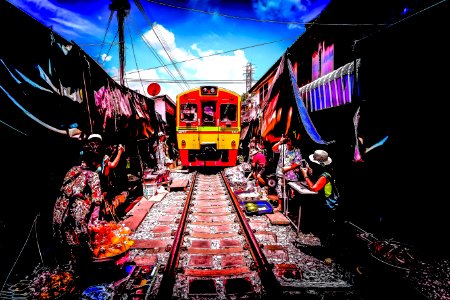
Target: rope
[21,251]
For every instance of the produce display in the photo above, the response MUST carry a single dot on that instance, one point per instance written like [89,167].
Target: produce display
[258,208]
[251,207]
[109,239]
[51,284]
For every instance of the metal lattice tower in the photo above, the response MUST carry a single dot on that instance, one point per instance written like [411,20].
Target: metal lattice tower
[248,76]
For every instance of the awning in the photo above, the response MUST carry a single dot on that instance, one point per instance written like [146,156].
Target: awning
[244,131]
[304,116]
[330,90]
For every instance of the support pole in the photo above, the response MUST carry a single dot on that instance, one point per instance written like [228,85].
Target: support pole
[123,8]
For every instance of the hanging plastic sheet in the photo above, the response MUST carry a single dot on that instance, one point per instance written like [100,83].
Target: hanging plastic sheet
[304,116]
[269,92]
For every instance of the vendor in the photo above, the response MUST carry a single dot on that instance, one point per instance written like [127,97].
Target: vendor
[161,150]
[80,193]
[258,163]
[288,162]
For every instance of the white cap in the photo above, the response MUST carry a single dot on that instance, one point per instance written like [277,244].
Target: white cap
[95,136]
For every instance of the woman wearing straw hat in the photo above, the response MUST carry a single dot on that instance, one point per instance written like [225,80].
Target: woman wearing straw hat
[327,191]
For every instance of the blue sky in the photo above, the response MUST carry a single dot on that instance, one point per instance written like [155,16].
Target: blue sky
[194,33]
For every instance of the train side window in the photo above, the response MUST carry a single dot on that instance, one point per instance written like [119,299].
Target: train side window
[188,113]
[228,112]
[208,113]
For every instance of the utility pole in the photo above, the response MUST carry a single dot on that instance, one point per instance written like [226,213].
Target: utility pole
[248,76]
[122,7]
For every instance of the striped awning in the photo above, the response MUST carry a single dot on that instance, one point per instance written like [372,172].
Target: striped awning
[330,90]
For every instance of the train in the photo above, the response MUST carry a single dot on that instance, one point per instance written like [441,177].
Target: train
[208,127]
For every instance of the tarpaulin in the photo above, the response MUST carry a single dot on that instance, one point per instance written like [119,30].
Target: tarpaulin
[304,116]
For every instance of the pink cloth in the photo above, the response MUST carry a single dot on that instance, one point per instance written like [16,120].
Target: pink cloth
[259,159]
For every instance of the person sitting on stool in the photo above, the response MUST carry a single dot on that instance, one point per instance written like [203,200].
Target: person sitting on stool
[258,163]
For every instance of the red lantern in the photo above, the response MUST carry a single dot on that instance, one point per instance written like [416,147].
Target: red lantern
[153,89]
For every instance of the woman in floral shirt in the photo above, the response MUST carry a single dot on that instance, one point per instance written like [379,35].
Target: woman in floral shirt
[80,193]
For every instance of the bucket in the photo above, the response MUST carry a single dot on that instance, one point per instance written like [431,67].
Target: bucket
[149,189]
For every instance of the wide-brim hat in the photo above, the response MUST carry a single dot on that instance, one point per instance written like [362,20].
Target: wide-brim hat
[320,157]
[253,152]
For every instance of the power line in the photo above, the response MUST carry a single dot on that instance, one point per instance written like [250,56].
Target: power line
[104,37]
[261,20]
[160,39]
[155,54]
[135,60]
[218,53]
[224,81]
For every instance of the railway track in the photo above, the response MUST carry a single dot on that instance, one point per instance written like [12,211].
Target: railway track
[199,244]
[215,254]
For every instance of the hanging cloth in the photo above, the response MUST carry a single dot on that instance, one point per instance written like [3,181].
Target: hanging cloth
[304,116]
[357,157]
[275,78]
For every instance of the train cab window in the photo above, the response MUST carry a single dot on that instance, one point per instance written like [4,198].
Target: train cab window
[228,113]
[188,113]
[209,110]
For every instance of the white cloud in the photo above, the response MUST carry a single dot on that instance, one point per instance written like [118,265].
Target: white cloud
[62,20]
[134,79]
[229,66]
[106,57]
[289,10]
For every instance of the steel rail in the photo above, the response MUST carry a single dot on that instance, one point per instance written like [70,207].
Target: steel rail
[269,282]
[168,279]
[265,269]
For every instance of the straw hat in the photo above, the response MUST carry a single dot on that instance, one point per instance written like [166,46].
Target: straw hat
[320,157]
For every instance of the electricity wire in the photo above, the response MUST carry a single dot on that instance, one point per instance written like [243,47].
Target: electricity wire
[160,39]
[104,37]
[110,47]
[218,53]
[260,20]
[135,60]
[155,54]
[225,81]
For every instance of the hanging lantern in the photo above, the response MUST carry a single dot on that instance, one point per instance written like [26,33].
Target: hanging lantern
[153,89]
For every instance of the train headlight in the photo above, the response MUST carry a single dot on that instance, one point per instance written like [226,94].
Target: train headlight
[233,144]
[183,143]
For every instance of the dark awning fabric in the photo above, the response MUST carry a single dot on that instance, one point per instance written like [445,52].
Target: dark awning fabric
[330,90]
[304,116]
[244,132]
